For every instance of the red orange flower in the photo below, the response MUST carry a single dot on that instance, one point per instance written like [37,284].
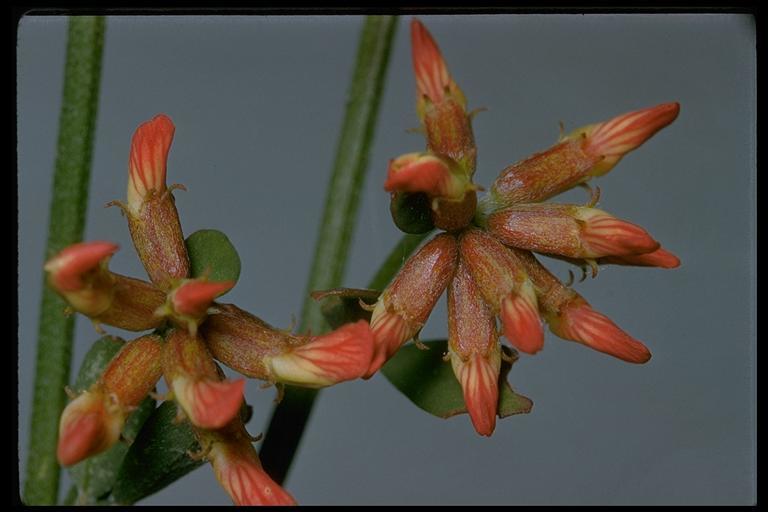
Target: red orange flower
[485,259]
[192,329]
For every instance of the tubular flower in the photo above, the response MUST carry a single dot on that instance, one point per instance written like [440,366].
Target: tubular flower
[152,217]
[92,422]
[79,274]
[485,258]
[237,467]
[191,330]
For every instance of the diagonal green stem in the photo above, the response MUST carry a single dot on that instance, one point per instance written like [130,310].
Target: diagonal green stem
[66,223]
[336,227]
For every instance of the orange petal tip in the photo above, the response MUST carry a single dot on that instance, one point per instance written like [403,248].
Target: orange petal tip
[341,355]
[521,323]
[67,267]
[479,379]
[213,404]
[583,324]
[194,297]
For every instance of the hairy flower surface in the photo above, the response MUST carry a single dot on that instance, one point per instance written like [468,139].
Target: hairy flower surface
[191,331]
[485,256]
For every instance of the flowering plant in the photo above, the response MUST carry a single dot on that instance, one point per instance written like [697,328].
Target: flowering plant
[484,259]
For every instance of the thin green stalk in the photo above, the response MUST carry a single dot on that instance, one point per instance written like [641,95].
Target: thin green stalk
[65,226]
[336,227]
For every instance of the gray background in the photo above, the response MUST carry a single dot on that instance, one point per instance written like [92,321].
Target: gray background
[258,101]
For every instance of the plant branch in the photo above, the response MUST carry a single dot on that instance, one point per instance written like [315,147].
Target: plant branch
[336,227]
[66,223]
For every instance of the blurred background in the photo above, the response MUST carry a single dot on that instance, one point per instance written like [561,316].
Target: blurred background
[258,102]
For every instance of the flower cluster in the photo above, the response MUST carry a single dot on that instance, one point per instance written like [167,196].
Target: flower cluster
[484,257]
[189,331]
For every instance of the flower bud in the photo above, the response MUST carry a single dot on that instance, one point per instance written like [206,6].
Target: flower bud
[240,474]
[134,371]
[90,424]
[569,230]
[243,341]
[152,217]
[474,349]
[254,348]
[194,379]
[338,356]
[237,467]
[658,258]
[434,175]
[187,304]
[403,307]
[441,104]
[452,195]
[577,321]
[613,139]
[80,275]
[570,316]
[585,153]
[504,284]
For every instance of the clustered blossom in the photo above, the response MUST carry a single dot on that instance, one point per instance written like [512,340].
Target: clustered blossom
[190,330]
[484,257]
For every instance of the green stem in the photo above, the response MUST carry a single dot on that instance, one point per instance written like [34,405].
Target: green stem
[65,226]
[336,227]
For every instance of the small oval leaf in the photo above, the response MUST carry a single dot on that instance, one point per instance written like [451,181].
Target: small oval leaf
[429,382]
[211,254]
[158,457]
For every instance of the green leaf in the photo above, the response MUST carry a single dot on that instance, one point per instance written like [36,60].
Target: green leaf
[212,254]
[429,382]
[158,457]
[95,476]
[96,360]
